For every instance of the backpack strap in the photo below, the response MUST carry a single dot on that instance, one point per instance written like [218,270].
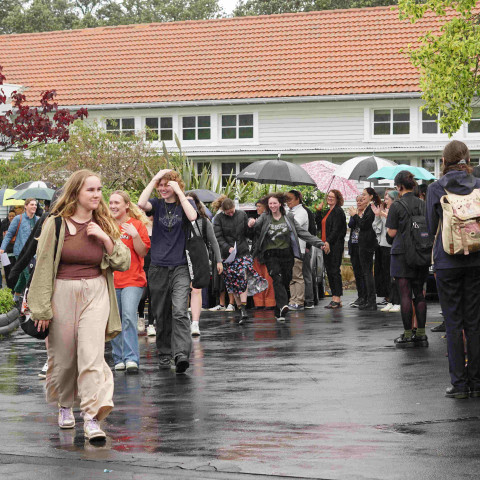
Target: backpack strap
[18,228]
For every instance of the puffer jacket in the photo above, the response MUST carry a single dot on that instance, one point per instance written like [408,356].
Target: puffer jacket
[229,230]
[43,280]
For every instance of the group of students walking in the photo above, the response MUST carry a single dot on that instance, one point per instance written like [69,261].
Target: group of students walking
[89,277]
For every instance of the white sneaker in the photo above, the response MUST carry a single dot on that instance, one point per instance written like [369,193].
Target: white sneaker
[131,366]
[230,308]
[218,308]
[195,329]
[141,325]
[43,371]
[395,308]
[387,307]
[120,367]
[65,417]
[92,429]
[151,332]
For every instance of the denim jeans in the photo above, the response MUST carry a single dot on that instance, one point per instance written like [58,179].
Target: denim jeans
[125,346]
[169,289]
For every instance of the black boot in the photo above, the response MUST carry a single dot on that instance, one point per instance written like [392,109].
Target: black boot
[243,315]
[369,306]
[439,328]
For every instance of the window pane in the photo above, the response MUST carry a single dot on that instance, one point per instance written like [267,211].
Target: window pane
[152,135]
[245,132]
[112,124]
[474,126]
[229,133]
[188,122]
[151,123]
[245,120]
[204,134]
[429,127]
[166,122]
[244,165]
[228,168]
[201,166]
[167,135]
[128,124]
[381,116]
[427,116]
[429,164]
[401,116]
[229,120]
[204,122]
[401,128]
[188,134]
[381,129]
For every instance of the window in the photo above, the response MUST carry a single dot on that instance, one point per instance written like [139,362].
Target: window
[159,129]
[201,166]
[474,125]
[429,164]
[237,127]
[196,128]
[391,122]
[124,126]
[429,123]
[233,169]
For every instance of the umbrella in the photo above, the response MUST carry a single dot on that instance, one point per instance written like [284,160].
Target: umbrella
[360,168]
[205,196]
[389,173]
[35,183]
[34,192]
[277,172]
[5,194]
[323,174]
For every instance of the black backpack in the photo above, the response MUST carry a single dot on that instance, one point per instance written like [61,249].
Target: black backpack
[416,238]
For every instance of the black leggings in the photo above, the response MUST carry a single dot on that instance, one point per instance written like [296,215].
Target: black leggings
[405,287]
[141,305]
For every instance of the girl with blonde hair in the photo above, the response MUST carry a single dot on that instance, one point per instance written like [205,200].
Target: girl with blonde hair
[72,293]
[129,285]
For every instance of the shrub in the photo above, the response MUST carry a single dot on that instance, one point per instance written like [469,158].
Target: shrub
[6,300]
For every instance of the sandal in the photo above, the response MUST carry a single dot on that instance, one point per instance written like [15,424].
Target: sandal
[333,305]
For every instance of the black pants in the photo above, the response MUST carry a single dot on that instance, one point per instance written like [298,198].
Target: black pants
[407,286]
[141,305]
[357,271]
[333,262]
[366,262]
[458,291]
[382,272]
[279,264]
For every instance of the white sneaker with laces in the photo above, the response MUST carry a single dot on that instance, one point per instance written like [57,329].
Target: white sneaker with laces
[151,332]
[92,429]
[43,371]
[218,308]
[387,307]
[141,325]
[195,329]
[230,308]
[120,367]
[65,417]
[395,308]
[131,366]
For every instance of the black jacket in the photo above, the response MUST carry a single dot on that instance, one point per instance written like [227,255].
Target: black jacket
[229,230]
[367,238]
[335,225]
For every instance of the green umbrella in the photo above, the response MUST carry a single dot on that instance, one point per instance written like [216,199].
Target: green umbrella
[39,193]
[389,173]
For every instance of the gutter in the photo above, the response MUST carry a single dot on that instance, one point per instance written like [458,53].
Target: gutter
[251,101]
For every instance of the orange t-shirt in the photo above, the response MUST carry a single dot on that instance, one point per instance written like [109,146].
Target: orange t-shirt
[324,226]
[135,275]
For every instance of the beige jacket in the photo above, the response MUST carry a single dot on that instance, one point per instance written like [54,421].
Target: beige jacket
[43,281]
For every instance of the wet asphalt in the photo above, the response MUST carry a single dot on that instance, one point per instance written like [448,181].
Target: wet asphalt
[325,395]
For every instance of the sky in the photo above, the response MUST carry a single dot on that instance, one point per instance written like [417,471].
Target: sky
[228,5]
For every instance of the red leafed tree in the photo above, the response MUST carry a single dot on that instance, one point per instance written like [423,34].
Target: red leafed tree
[24,126]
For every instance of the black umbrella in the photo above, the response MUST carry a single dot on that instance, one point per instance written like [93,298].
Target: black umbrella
[205,196]
[277,172]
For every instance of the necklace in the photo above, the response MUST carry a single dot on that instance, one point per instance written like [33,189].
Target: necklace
[170,218]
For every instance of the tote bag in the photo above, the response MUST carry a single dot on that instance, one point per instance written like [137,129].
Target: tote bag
[197,259]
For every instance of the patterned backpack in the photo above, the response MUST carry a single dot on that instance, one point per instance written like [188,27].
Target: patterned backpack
[461,223]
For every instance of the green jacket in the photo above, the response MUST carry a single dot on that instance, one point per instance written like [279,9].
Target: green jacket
[41,288]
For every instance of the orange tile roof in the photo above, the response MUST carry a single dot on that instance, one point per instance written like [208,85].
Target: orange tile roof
[333,52]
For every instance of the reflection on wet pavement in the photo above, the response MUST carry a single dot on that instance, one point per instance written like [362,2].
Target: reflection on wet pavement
[323,395]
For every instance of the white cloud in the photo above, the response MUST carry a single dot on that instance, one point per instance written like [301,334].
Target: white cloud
[228,5]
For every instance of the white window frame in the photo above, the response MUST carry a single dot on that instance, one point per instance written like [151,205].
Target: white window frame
[473,134]
[238,169]
[390,135]
[213,125]
[120,124]
[159,117]
[238,141]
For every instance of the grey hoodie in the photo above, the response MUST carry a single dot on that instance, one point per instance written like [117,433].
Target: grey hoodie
[460,183]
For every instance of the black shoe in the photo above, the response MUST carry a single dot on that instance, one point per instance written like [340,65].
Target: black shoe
[420,340]
[455,392]
[165,362]
[439,328]
[334,305]
[181,364]
[357,302]
[368,307]
[284,311]
[474,392]
[243,315]
[404,342]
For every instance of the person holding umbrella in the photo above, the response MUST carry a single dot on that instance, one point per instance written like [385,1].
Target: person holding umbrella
[277,244]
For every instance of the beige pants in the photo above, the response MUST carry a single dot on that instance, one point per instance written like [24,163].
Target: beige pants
[297,285]
[76,346]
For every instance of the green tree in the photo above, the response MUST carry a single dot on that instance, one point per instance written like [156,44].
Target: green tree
[448,62]
[269,7]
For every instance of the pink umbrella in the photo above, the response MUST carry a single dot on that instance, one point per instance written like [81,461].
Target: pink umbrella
[322,173]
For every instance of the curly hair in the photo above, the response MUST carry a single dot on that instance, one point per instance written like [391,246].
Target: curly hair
[172,175]
[217,204]
[67,204]
[133,210]
[338,196]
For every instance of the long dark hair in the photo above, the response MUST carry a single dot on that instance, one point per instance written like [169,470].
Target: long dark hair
[376,199]
[456,156]
[281,197]
[200,206]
